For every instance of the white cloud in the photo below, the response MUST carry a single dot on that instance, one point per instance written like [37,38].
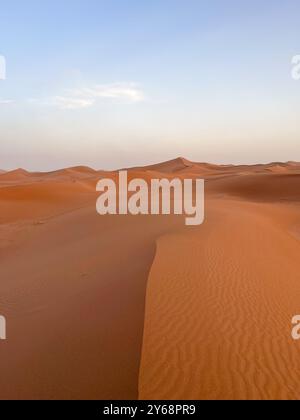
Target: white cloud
[72,103]
[6,101]
[88,96]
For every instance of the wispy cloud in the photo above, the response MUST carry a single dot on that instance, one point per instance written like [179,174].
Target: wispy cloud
[65,102]
[88,96]
[6,101]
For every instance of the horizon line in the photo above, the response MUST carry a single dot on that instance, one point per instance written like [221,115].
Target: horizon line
[181,159]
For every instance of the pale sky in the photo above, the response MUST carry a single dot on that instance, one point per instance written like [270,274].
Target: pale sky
[118,83]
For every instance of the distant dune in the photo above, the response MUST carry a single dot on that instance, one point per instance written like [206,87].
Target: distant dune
[127,307]
[14,176]
[171,166]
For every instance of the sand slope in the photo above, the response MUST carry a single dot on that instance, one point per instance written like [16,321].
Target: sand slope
[72,287]
[220,300]
[73,295]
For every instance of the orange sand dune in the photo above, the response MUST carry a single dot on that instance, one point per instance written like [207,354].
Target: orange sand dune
[218,321]
[43,199]
[72,287]
[219,297]
[168,167]
[14,176]
[73,292]
[260,187]
[75,172]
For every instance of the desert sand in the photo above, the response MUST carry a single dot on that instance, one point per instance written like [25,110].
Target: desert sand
[144,307]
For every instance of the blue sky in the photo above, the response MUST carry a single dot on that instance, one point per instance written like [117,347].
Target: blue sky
[123,82]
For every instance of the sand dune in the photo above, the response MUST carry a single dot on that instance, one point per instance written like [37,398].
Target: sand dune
[73,292]
[43,199]
[260,187]
[219,297]
[75,172]
[218,322]
[14,176]
[170,166]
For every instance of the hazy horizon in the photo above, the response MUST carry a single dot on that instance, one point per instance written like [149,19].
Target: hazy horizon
[145,164]
[112,85]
